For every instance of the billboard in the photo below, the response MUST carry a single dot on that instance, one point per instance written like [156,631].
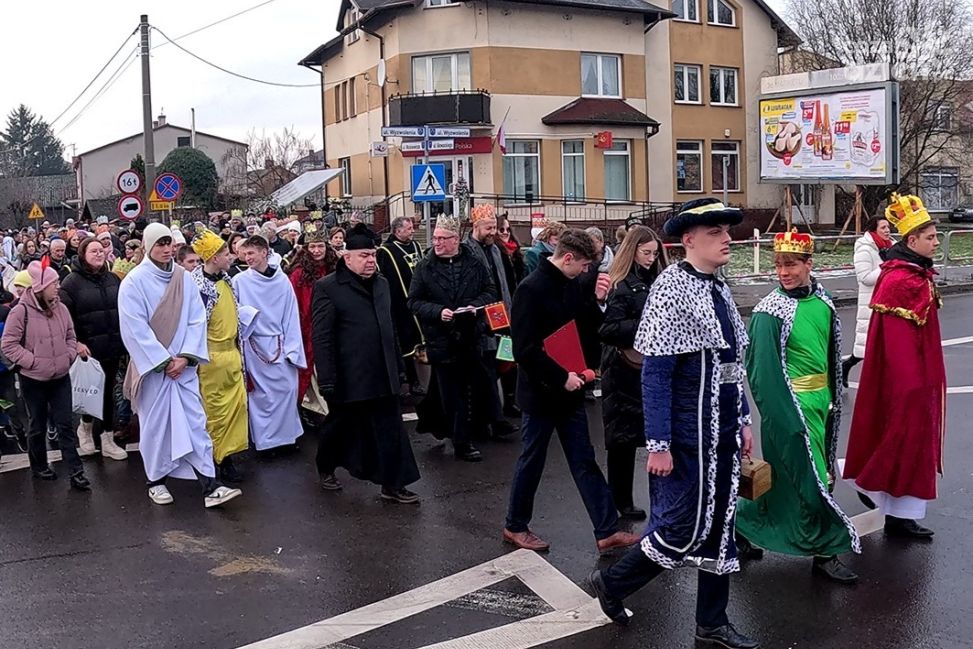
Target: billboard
[847,136]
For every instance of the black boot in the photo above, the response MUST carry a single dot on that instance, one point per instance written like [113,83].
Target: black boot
[906,528]
[725,636]
[610,606]
[79,482]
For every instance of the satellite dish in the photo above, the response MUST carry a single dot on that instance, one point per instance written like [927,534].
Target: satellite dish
[381,73]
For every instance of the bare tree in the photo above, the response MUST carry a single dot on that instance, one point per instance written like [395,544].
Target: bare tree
[271,160]
[927,45]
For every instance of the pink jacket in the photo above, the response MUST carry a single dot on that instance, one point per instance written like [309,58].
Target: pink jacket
[50,345]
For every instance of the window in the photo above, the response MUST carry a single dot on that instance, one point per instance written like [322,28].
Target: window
[940,187]
[522,170]
[572,168]
[618,172]
[345,163]
[352,100]
[182,140]
[720,12]
[687,84]
[601,75]
[441,3]
[728,154]
[339,102]
[353,17]
[689,166]
[686,10]
[944,117]
[441,72]
[723,86]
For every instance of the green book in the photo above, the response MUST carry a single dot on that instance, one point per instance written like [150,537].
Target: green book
[505,349]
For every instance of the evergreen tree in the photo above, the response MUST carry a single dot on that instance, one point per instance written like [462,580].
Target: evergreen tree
[28,146]
[138,164]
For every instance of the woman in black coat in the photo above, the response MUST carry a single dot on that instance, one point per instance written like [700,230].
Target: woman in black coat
[90,292]
[639,260]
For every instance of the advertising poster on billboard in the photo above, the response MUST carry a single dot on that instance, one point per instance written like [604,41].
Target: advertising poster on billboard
[836,136]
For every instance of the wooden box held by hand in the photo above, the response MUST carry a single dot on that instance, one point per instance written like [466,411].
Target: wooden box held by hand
[755,478]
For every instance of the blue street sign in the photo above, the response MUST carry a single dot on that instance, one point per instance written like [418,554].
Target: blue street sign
[168,187]
[428,183]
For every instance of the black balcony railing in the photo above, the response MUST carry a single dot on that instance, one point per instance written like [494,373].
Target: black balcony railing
[460,107]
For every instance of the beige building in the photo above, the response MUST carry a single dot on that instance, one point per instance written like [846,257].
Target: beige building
[592,130]
[705,71]
[554,74]
[97,169]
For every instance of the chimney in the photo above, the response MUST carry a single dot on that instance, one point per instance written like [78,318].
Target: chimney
[161,121]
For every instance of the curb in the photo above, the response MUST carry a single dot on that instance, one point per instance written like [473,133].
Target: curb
[852,300]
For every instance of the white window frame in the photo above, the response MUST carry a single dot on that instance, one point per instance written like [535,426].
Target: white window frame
[702,170]
[511,145]
[935,202]
[573,156]
[716,151]
[599,58]
[736,86]
[618,153]
[345,163]
[436,4]
[686,68]
[686,3]
[355,16]
[714,5]
[454,70]
[944,117]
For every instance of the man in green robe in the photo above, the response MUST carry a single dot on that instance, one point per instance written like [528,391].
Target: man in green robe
[794,370]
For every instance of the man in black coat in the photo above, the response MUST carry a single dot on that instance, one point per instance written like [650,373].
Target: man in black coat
[397,258]
[359,370]
[552,398]
[448,286]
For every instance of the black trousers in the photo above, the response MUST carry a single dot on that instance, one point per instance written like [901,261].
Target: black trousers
[467,394]
[50,401]
[107,421]
[634,570]
[621,474]
[206,483]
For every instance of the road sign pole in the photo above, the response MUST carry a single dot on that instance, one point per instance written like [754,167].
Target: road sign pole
[426,207]
[147,132]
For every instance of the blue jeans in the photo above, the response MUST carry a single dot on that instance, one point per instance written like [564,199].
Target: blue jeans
[572,430]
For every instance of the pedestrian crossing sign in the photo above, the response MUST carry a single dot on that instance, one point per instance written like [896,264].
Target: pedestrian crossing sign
[36,212]
[428,182]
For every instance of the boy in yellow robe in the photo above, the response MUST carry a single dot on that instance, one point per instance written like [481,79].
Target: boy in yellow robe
[222,381]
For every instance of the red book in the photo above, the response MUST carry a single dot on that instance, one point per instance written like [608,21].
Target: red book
[564,348]
[497,316]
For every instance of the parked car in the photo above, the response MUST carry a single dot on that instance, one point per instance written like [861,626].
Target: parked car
[962,213]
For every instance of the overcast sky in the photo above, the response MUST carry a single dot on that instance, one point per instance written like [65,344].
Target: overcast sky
[52,49]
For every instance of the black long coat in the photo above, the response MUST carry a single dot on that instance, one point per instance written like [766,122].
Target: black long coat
[92,301]
[451,283]
[621,383]
[355,351]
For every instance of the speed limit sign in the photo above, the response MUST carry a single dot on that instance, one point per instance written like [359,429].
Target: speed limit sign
[129,182]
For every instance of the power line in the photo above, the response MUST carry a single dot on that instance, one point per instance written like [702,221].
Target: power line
[116,75]
[214,24]
[230,72]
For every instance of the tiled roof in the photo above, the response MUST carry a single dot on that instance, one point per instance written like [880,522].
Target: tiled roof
[599,112]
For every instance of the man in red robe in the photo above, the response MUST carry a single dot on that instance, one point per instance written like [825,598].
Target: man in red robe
[897,432]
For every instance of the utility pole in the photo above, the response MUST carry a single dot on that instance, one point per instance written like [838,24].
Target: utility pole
[147,134]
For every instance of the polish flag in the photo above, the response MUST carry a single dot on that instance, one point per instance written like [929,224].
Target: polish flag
[502,140]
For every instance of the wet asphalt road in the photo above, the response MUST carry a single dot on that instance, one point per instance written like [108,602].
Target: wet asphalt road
[110,569]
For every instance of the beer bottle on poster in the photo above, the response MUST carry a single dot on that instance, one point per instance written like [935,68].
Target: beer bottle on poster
[827,139]
[817,129]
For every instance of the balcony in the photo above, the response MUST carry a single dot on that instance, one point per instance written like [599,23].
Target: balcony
[460,107]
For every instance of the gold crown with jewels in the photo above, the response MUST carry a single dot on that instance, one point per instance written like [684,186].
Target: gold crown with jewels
[906,213]
[795,242]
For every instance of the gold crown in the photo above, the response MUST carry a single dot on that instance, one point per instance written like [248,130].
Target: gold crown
[206,244]
[794,241]
[906,213]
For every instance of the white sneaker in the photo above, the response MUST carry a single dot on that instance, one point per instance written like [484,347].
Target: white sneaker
[222,495]
[110,449]
[160,495]
[86,442]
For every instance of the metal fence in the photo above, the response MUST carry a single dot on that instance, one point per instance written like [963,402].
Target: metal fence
[951,254]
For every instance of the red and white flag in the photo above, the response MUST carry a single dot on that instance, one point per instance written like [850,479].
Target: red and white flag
[502,134]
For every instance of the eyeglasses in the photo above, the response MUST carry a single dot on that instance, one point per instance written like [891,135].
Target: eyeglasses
[504,229]
[443,239]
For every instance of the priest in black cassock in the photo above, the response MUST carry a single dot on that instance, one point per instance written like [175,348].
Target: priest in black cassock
[360,372]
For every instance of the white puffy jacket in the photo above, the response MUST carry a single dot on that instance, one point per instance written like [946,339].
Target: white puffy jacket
[867,262]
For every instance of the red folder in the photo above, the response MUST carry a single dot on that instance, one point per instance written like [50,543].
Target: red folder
[497,316]
[564,348]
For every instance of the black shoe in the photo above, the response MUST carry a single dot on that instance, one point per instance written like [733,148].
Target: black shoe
[402,496]
[417,392]
[906,528]
[468,453]
[868,502]
[503,429]
[229,472]
[833,569]
[46,474]
[79,482]
[747,550]
[610,606]
[725,636]
[330,483]
[511,410]
[632,513]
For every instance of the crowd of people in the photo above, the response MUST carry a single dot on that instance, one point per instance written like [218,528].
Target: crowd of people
[230,335]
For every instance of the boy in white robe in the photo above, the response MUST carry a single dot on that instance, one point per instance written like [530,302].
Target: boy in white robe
[274,350]
[163,326]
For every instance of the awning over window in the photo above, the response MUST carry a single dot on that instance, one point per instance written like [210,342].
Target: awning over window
[307,182]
